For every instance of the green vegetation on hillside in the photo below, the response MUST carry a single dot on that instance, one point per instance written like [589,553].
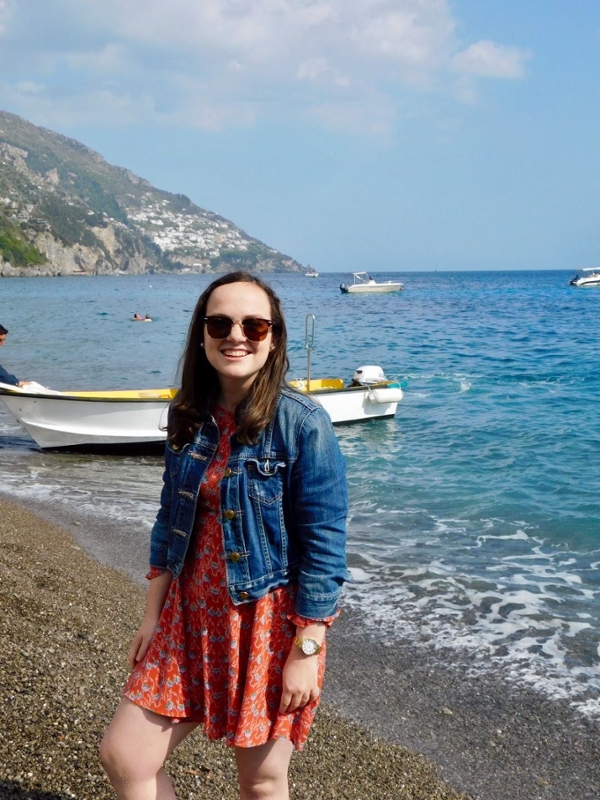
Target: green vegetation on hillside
[69,221]
[15,249]
[96,196]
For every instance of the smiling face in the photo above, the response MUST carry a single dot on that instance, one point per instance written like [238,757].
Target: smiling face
[236,359]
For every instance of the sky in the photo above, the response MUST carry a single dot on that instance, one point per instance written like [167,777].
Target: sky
[379,135]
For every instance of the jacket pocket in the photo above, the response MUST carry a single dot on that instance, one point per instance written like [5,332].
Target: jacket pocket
[265,480]
[265,494]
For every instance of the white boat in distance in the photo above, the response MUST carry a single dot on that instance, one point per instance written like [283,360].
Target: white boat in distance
[363,284]
[137,418]
[590,277]
[311,272]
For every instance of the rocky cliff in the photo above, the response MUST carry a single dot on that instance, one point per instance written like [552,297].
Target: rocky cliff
[64,210]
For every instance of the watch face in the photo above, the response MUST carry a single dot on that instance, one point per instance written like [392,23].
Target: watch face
[309,647]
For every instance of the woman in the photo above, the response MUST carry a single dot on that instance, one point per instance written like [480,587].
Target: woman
[247,558]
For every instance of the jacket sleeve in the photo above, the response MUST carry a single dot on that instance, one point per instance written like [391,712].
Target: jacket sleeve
[159,537]
[6,377]
[320,502]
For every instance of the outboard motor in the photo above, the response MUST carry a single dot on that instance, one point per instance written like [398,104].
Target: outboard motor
[368,375]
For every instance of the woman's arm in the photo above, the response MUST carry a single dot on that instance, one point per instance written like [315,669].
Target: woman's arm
[300,674]
[158,589]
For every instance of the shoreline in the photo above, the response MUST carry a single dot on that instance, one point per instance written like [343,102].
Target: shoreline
[65,632]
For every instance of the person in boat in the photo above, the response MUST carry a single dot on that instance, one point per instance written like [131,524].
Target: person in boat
[247,558]
[370,280]
[6,377]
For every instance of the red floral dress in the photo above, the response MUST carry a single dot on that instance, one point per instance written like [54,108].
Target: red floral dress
[210,661]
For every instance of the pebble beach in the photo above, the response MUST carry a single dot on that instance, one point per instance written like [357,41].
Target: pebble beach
[391,726]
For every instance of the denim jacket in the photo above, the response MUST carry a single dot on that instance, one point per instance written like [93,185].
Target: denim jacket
[284,502]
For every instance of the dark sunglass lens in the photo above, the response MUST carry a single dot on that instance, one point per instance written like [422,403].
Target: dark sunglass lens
[255,329]
[218,327]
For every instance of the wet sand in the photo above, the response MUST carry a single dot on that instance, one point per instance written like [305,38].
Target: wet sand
[397,722]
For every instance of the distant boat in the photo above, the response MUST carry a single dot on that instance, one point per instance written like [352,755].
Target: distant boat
[311,272]
[590,277]
[363,284]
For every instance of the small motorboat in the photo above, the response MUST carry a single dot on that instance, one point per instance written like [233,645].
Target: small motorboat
[363,399]
[311,272]
[589,278]
[363,284]
[370,395]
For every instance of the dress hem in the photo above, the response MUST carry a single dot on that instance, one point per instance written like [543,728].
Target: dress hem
[229,741]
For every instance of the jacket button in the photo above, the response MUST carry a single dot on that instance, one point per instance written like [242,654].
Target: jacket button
[244,596]
[229,514]
[227,472]
[235,557]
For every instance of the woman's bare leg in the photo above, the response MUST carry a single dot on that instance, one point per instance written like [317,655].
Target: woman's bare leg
[134,748]
[263,770]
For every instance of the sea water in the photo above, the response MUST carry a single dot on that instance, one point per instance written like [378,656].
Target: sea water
[474,513]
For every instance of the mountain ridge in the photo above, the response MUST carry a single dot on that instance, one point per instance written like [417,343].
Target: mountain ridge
[65,210]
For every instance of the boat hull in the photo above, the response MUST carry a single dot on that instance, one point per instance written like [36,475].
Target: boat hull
[586,283]
[130,419]
[379,288]
[358,403]
[67,421]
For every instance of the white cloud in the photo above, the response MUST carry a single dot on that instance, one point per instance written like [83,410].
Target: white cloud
[210,63]
[311,69]
[235,66]
[411,33]
[3,17]
[29,87]
[491,60]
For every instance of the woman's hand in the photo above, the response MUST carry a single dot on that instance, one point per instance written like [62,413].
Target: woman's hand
[158,588]
[300,681]
[142,639]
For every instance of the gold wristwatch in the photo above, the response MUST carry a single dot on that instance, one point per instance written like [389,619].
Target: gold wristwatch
[308,646]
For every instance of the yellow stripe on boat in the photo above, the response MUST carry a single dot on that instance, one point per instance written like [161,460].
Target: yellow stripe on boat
[128,394]
[318,384]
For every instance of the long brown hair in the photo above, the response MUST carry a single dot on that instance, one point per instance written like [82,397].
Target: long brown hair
[200,381]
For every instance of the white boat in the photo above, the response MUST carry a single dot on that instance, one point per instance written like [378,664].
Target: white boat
[311,272]
[590,277]
[137,418]
[363,284]
[89,419]
[357,402]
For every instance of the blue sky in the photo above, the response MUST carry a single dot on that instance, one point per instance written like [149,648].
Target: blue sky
[350,134]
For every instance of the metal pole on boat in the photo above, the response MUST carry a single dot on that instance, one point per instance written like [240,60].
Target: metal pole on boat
[309,343]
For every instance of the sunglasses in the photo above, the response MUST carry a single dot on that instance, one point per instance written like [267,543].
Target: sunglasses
[254,329]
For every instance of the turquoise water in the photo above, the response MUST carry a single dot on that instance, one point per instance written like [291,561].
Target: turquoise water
[475,514]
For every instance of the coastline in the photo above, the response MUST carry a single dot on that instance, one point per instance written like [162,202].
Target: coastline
[64,635]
